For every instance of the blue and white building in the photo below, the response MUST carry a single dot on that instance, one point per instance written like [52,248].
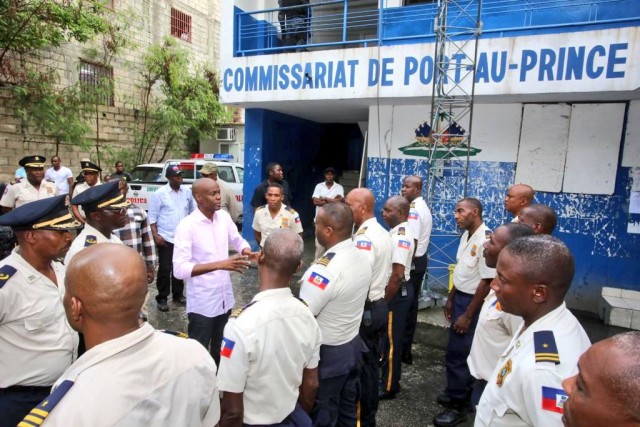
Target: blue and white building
[557,106]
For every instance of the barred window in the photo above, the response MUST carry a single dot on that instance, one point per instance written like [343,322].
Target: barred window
[98,79]
[180,25]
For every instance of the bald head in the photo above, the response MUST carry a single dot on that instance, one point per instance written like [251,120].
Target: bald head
[541,218]
[411,187]
[518,196]
[203,186]
[544,260]
[110,283]
[282,252]
[362,203]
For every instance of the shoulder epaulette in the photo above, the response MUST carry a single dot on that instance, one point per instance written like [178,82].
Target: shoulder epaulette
[401,231]
[41,412]
[90,240]
[412,205]
[261,207]
[302,301]
[545,347]
[6,271]
[362,231]
[235,313]
[293,211]
[326,258]
[176,333]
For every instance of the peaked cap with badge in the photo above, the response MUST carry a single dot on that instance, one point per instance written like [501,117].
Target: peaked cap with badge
[89,166]
[35,161]
[105,196]
[52,213]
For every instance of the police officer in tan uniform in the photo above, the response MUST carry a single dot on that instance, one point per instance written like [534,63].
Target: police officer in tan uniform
[30,189]
[36,342]
[274,215]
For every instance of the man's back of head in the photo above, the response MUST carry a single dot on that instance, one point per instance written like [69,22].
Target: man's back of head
[541,218]
[282,253]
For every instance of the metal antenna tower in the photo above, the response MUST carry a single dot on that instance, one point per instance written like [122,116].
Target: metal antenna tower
[457,30]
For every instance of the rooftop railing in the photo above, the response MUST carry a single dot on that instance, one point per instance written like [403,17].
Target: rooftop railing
[348,23]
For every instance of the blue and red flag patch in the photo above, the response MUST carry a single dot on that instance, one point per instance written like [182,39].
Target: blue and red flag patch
[227,347]
[318,280]
[364,245]
[297,220]
[404,244]
[553,399]
[413,215]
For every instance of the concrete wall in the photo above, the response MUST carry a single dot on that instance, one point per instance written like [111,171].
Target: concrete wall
[150,24]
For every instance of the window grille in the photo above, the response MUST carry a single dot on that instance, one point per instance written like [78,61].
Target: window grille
[99,79]
[181,25]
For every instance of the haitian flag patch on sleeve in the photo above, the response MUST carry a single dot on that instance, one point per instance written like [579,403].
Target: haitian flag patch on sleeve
[553,399]
[227,347]
[364,245]
[404,244]
[318,280]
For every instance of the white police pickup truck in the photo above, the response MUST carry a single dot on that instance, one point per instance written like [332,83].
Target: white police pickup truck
[147,178]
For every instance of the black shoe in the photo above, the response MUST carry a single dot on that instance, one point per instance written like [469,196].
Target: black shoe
[450,417]
[180,301]
[386,395]
[162,306]
[407,358]
[444,399]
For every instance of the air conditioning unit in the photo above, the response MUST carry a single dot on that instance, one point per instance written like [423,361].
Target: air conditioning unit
[226,134]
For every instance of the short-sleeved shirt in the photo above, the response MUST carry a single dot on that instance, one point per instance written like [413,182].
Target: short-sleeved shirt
[374,241]
[493,334]
[285,218]
[88,236]
[525,388]
[274,323]
[83,186]
[402,246]
[420,224]
[23,192]
[36,342]
[471,266]
[60,178]
[322,190]
[336,287]
[144,378]
[168,207]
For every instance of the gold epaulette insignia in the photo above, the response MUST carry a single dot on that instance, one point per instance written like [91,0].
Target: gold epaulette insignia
[326,259]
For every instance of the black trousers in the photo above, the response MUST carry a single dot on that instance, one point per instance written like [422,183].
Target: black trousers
[17,402]
[167,282]
[459,379]
[208,332]
[392,348]
[371,335]
[415,278]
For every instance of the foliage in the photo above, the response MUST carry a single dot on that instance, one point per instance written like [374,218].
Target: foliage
[179,107]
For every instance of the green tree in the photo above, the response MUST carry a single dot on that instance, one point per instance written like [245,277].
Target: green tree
[178,106]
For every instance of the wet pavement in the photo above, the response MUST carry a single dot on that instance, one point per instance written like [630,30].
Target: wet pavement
[415,405]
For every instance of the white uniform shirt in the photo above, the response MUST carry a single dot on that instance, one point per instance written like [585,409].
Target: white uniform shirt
[531,392]
[336,287]
[420,224]
[375,243]
[82,187]
[265,350]
[493,334]
[285,218]
[87,237]
[322,190]
[23,192]
[144,378]
[60,178]
[471,266]
[36,342]
[402,246]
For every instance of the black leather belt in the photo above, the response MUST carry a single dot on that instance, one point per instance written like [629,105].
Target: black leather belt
[378,301]
[25,389]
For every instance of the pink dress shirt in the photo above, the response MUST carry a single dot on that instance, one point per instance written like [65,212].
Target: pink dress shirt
[198,240]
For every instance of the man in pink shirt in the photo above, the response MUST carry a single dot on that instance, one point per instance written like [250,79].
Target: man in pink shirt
[201,259]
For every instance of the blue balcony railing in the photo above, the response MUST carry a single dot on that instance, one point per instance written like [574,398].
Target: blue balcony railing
[342,23]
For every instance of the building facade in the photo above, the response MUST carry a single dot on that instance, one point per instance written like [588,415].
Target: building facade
[556,106]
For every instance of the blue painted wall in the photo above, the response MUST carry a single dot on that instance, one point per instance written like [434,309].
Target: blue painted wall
[594,227]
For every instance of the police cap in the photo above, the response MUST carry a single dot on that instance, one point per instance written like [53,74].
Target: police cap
[105,196]
[51,213]
[89,166]
[32,161]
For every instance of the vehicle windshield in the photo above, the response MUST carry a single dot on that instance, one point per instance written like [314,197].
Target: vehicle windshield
[146,174]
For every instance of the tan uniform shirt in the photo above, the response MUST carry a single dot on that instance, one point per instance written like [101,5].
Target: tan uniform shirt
[471,266]
[36,342]
[23,192]
[228,200]
[274,323]
[285,218]
[144,378]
